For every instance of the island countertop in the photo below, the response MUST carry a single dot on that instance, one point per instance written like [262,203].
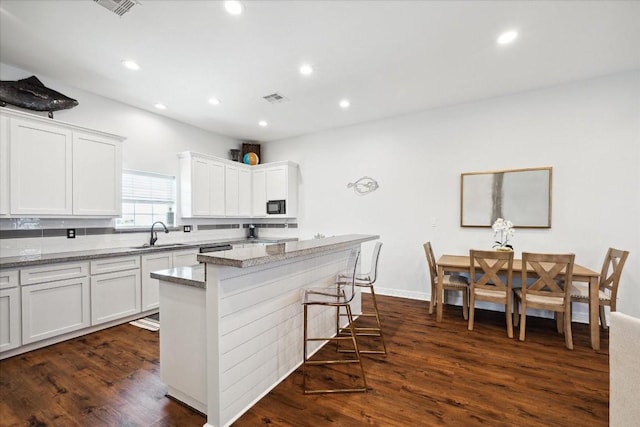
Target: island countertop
[249,257]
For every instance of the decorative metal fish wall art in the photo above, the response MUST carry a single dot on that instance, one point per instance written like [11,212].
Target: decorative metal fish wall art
[364,185]
[31,94]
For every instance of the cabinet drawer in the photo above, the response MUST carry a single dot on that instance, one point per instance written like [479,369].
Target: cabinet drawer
[53,272]
[9,279]
[110,265]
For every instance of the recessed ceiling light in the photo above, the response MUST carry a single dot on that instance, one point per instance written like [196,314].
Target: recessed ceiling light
[345,103]
[507,37]
[263,123]
[160,106]
[214,101]
[132,65]
[233,7]
[306,69]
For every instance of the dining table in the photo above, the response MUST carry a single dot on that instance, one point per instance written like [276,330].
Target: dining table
[462,264]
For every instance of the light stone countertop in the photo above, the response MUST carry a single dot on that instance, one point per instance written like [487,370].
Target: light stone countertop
[58,257]
[249,257]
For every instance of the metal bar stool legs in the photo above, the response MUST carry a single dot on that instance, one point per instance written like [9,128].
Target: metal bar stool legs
[373,331]
[337,338]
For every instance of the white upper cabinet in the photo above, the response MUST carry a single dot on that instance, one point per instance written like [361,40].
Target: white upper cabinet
[58,170]
[40,169]
[280,183]
[213,187]
[244,193]
[4,165]
[232,187]
[259,199]
[97,175]
[202,186]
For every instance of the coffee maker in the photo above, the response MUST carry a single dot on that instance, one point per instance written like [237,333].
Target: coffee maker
[252,232]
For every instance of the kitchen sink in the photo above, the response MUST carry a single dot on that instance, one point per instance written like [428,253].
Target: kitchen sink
[165,245]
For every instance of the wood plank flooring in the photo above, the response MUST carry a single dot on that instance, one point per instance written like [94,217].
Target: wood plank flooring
[434,374]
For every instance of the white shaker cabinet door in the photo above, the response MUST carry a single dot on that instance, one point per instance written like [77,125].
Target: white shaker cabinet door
[200,188]
[114,295]
[217,189]
[150,287]
[244,193]
[54,308]
[5,128]
[185,258]
[10,309]
[231,193]
[41,171]
[97,175]
[259,199]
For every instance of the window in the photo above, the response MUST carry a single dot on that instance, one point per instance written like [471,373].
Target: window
[146,198]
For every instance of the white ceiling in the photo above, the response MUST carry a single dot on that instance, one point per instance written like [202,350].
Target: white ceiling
[388,57]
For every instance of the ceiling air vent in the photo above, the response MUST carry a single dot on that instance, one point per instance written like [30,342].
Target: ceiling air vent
[275,98]
[119,7]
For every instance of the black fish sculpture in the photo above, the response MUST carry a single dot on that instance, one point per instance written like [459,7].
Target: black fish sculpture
[31,94]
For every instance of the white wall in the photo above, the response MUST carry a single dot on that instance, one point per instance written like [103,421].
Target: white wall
[588,131]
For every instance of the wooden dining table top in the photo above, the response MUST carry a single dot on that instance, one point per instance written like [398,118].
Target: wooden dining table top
[462,263]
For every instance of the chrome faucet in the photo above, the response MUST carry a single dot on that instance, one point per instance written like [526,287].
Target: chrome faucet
[154,235]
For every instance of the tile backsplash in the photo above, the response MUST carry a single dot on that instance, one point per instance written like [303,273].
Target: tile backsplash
[28,236]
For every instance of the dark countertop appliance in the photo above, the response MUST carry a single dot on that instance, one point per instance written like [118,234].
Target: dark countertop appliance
[252,232]
[215,248]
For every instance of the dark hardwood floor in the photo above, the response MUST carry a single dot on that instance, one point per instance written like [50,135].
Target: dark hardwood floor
[434,374]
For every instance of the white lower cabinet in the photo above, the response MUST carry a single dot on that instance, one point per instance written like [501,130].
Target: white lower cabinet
[10,323]
[161,261]
[115,288]
[54,308]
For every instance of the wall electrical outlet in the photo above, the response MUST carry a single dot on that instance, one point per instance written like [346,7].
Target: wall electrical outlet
[186,228]
[71,233]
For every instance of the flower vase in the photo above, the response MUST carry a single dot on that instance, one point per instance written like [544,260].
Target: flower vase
[504,249]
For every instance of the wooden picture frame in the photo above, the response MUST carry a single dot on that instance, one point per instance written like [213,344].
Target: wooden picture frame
[522,196]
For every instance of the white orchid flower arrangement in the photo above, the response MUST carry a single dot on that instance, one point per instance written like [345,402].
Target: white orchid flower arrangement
[502,231]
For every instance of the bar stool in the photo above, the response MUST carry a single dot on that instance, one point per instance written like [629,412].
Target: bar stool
[367,280]
[338,297]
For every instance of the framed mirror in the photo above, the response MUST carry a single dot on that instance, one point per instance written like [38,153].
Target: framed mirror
[523,196]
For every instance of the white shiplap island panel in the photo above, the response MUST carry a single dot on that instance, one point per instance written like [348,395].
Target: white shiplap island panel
[252,314]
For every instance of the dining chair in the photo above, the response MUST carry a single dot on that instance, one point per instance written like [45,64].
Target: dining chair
[609,279]
[366,280]
[450,282]
[339,296]
[491,276]
[546,285]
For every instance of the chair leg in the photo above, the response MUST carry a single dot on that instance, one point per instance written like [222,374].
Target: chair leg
[516,317]
[472,304]
[465,304]
[304,350]
[432,300]
[355,345]
[523,319]
[603,318]
[377,314]
[559,322]
[357,357]
[507,309]
[568,336]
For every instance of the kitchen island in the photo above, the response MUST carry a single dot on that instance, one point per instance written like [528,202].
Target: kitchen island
[231,330]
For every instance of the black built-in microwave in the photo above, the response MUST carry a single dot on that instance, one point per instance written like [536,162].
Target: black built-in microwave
[276,207]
